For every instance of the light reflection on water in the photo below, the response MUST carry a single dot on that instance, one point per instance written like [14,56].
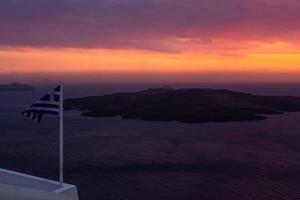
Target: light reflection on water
[133,159]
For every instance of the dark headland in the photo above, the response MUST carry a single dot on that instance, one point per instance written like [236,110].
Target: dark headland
[15,87]
[193,105]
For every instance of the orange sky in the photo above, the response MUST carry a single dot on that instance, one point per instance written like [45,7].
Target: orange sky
[225,56]
[164,37]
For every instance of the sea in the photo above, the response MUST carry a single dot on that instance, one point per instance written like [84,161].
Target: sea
[116,159]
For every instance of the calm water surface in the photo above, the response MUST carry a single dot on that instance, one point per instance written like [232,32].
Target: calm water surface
[132,159]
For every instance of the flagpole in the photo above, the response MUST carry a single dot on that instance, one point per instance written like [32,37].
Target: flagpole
[61,137]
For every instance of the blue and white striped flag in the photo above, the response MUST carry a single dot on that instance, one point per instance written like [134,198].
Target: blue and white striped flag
[49,104]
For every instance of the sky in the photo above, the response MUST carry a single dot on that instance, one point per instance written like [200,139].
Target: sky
[136,40]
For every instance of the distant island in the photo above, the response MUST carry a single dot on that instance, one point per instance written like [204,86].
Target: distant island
[15,87]
[193,105]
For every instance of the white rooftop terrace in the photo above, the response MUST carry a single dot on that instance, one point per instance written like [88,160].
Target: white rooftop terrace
[15,185]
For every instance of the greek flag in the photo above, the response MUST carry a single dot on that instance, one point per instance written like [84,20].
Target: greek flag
[50,104]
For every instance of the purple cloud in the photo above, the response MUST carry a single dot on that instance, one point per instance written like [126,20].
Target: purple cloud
[142,24]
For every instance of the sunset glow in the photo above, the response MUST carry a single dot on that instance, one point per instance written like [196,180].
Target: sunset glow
[261,37]
[265,58]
